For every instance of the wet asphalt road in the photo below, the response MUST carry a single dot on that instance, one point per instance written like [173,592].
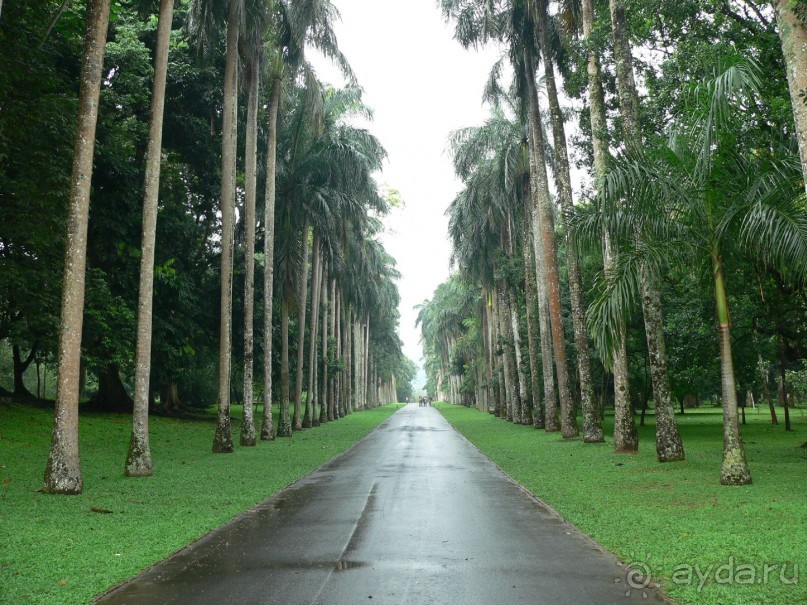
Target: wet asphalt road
[413,514]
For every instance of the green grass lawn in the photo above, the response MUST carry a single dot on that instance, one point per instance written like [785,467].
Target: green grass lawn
[674,517]
[54,549]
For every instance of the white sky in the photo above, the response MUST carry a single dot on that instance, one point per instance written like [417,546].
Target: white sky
[421,85]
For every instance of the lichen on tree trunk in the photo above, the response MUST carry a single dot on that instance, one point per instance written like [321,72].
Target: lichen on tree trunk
[267,429]
[138,461]
[223,439]
[248,436]
[669,447]
[668,440]
[793,35]
[63,469]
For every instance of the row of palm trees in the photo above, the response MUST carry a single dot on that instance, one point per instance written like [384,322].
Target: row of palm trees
[653,203]
[319,192]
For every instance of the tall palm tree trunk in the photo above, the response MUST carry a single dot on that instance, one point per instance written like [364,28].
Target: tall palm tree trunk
[734,470]
[551,420]
[360,366]
[365,334]
[793,35]
[352,358]
[534,403]
[308,419]
[592,425]
[350,333]
[344,348]
[487,343]
[361,376]
[323,391]
[548,254]
[596,96]
[626,439]
[63,470]
[669,447]
[520,413]
[372,396]
[248,436]
[548,416]
[500,394]
[302,301]
[138,460]
[321,313]
[515,320]
[267,430]
[332,352]
[358,360]
[223,440]
[284,428]
[337,335]
[315,396]
[509,362]
[366,351]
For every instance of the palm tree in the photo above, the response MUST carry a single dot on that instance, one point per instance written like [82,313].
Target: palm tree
[292,25]
[705,191]
[327,184]
[491,160]
[204,20]
[223,439]
[544,224]
[63,470]
[444,322]
[514,25]
[668,439]
[267,431]
[592,425]
[551,421]
[138,461]
[615,357]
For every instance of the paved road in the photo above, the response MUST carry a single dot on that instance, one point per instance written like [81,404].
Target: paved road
[413,514]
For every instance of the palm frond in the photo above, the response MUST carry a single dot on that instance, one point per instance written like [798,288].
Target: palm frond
[616,292]
[776,229]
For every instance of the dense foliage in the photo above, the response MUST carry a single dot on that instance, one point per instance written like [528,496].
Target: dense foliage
[327,201]
[690,207]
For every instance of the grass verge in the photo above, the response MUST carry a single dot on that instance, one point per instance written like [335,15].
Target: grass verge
[705,543]
[55,549]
